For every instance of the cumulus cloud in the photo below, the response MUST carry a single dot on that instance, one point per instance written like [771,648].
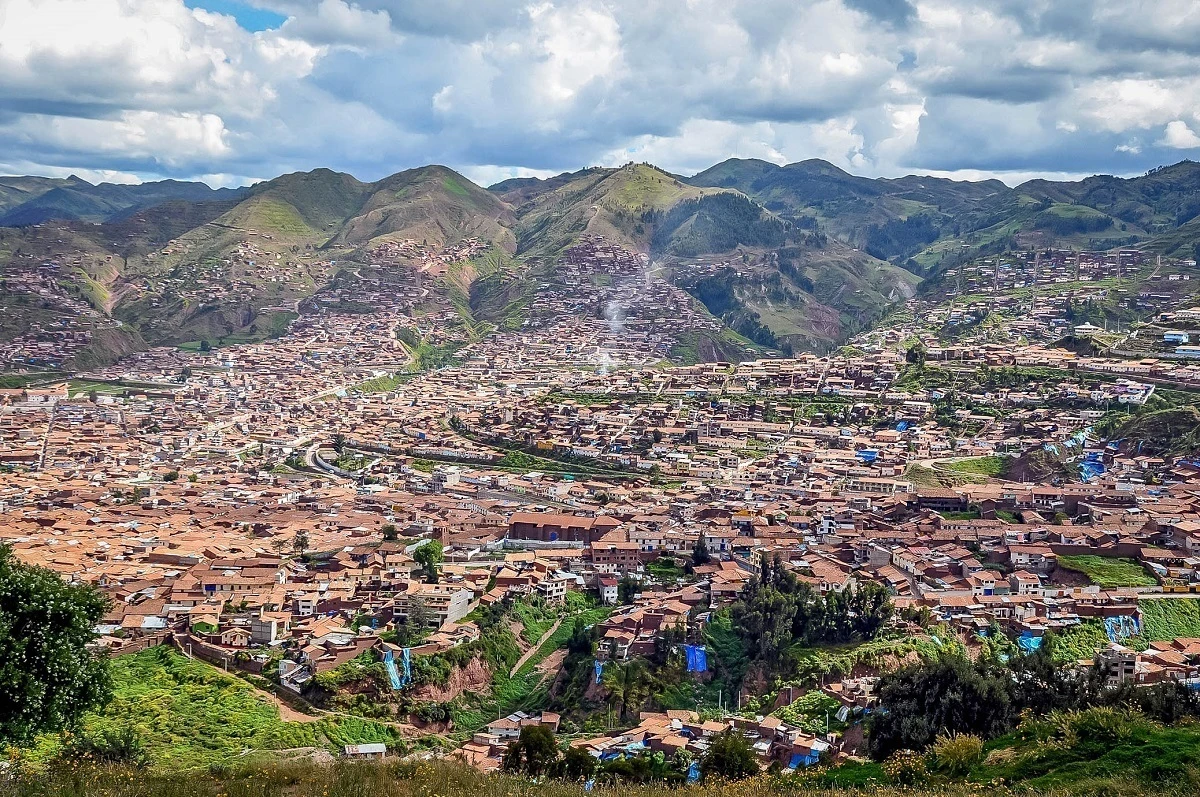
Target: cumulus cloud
[150,88]
[1179,136]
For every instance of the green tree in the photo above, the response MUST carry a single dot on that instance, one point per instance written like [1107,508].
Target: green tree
[629,685]
[531,753]
[700,554]
[951,695]
[418,617]
[205,345]
[577,764]
[429,556]
[300,542]
[729,757]
[627,589]
[48,675]
[389,531]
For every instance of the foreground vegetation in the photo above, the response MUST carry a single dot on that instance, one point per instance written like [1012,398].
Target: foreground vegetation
[1125,757]
[169,712]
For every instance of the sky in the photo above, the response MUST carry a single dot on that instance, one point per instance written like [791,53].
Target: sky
[232,91]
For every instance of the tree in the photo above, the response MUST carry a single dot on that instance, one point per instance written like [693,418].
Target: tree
[729,757]
[389,531]
[171,475]
[429,556]
[700,554]
[580,643]
[300,542]
[577,764]
[48,675]
[532,753]
[627,589]
[205,345]
[951,695]
[629,685]
[418,616]
[339,442]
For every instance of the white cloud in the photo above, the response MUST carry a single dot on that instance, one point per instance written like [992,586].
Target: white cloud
[153,88]
[1179,136]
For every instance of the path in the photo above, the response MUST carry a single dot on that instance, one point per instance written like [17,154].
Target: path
[529,654]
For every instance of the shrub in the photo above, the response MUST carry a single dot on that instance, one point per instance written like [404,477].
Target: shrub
[119,746]
[955,754]
[906,768]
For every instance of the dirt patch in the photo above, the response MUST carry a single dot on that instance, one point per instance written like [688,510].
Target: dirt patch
[475,677]
[553,662]
[289,714]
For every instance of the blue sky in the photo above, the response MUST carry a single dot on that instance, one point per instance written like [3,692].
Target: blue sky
[241,91]
[250,17]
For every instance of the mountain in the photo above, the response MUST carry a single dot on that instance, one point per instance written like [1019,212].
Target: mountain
[30,200]
[793,257]
[925,222]
[433,204]
[619,204]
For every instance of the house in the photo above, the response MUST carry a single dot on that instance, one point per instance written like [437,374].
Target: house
[365,751]
[608,590]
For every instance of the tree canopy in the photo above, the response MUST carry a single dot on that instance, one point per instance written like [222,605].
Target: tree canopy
[532,753]
[429,556]
[987,697]
[778,609]
[48,675]
[729,757]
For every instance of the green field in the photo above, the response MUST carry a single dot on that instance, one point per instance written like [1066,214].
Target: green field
[994,467]
[1170,618]
[14,381]
[1108,572]
[189,714]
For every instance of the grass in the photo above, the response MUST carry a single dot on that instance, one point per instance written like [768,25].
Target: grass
[1097,751]
[994,467]
[1061,757]
[383,779]
[14,381]
[1079,642]
[382,384]
[1170,618]
[83,387]
[190,714]
[666,570]
[1109,572]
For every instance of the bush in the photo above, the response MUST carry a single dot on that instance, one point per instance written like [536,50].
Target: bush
[906,768]
[955,754]
[729,757]
[109,746]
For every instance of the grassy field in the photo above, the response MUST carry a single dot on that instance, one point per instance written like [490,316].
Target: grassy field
[1109,572]
[994,467]
[389,779]
[1079,642]
[189,714]
[1086,754]
[1170,618]
[14,381]
[382,384]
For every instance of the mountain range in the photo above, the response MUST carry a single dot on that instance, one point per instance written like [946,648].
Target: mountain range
[794,257]
[32,200]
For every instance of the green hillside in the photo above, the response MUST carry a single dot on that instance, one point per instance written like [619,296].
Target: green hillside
[794,257]
[432,204]
[619,204]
